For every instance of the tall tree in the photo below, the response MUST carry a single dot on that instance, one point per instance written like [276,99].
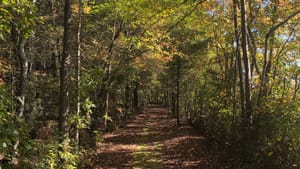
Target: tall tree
[19,40]
[21,22]
[64,76]
[248,102]
[238,56]
[78,66]
[268,58]
[178,64]
[115,34]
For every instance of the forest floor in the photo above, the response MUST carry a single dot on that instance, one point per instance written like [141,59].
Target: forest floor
[152,140]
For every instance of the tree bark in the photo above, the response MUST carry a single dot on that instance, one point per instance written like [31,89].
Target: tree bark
[253,48]
[19,51]
[78,65]
[296,88]
[251,40]
[173,103]
[238,56]
[177,88]
[24,65]
[126,104]
[64,77]
[136,97]
[248,103]
[116,32]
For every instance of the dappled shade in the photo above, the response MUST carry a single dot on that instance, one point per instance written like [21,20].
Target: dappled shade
[153,141]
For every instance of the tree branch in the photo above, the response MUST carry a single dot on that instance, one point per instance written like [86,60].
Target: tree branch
[281,23]
[185,16]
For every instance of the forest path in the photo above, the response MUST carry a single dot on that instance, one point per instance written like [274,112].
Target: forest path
[153,141]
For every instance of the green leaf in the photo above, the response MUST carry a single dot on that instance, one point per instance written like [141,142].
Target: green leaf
[107,118]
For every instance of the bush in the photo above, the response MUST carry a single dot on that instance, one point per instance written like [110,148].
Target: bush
[13,134]
[278,136]
[55,153]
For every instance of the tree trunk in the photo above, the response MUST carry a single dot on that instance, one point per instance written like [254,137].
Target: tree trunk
[64,77]
[173,103]
[177,88]
[136,97]
[116,32]
[266,64]
[23,75]
[106,113]
[19,50]
[78,65]
[248,103]
[238,57]
[296,88]
[126,104]
[253,48]
[251,39]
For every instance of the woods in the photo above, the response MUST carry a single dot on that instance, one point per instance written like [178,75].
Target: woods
[72,71]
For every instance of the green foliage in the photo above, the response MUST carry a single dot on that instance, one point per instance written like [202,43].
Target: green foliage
[9,133]
[141,55]
[83,120]
[98,136]
[43,100]
[91,80]
[220,128]
[20,14]
[278,136]
[50,161]
[5,16]
[107,117]
[56,153]
[68,155]
[13,130]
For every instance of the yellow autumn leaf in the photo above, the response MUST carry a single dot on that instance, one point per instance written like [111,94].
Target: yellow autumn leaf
[278,139]
[270,153]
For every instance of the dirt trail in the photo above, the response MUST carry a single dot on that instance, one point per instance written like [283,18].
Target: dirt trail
[153,141]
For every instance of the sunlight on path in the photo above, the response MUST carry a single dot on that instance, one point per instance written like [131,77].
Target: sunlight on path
[148,156]
[153,141]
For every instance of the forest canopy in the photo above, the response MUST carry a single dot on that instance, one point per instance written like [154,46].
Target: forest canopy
[72,70]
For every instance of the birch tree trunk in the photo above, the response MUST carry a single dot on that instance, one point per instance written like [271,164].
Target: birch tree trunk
[78,64]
